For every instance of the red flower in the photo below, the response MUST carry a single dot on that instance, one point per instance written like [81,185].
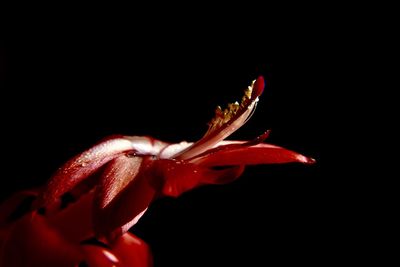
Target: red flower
[113,183]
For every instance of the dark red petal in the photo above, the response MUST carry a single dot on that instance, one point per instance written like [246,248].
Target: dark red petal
[115,178]
[223,176]
[80,167]
[100,257]
[180,176]
[10,205]
[251,155]
[132,251]
[33,243]
[75,221]
[176,177]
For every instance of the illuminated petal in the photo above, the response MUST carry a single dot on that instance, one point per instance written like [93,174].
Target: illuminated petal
[87,163]
[117,175]
[173,149]
[131,202]
[82,166]
[250,155]
[132,251]
[115,178]
[100,257]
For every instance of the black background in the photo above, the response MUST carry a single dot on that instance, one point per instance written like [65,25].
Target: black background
[66,87]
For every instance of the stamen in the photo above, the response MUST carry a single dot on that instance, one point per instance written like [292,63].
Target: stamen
[226,121]
[223,117]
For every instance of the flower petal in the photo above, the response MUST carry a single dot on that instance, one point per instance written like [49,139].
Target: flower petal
[16,206]
[100,257]
[231,145]
[81,167]
[250,155]
[177,176]
[87,163]
[132,251]
[173,149]
[115,178]
[223,176]
[181,176]
[117,175]
[127,204]
[75,221]
[33,243]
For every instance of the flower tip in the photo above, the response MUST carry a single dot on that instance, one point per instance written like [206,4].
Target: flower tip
[308,160]
[258,87]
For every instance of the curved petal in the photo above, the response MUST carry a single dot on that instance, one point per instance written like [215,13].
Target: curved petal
[177,176]
[100,257]
[81,167]
[173,149]
[115,178]
[231,145]
[181,176]
[132,251]
[118,174]
[128,204]
[250,155]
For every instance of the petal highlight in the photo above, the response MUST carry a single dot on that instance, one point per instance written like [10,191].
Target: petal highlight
[81,167]
[118,174]
[132,251]
[127,204]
